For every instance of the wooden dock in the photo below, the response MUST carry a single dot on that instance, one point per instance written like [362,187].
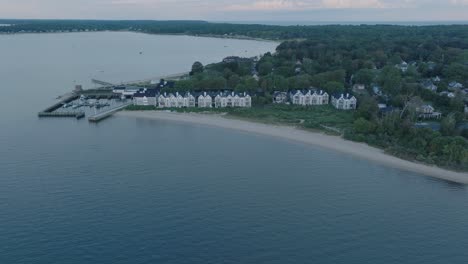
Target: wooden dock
[50,111]
[76,114]
[101,116]
[65,100]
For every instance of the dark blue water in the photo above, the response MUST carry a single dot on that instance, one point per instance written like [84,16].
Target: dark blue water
[142,191]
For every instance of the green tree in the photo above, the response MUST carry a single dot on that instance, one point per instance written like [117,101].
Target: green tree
[265,68]
[368,108]
[364,76]
[448,125]
[390,80]
[197,67]
[334,87]
[364,126]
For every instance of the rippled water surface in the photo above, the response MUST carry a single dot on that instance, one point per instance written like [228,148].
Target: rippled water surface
[141,191]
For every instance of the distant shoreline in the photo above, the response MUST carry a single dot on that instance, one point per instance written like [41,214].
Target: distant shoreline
[236,37]
[316,139]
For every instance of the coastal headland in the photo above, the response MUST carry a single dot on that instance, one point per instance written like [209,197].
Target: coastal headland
[334,143]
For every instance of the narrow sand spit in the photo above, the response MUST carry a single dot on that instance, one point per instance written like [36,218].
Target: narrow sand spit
[318,139]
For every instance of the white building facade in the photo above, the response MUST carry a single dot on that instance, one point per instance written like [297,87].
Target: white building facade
[205,100]
[344,102]
[309,97]
[232,99]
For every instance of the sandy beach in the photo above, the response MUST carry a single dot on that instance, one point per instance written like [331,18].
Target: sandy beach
[317,139]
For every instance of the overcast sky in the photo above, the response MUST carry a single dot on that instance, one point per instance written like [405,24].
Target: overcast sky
[232,10]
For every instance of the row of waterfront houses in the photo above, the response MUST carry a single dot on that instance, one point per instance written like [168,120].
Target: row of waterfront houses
[315,97]
[189,99]
[142,96]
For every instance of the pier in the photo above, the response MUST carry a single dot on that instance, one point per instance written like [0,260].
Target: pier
[50,111]
[77,114]
[101,116]
[103,83]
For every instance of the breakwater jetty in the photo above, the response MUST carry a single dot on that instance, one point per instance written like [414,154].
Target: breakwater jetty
[51,110]
[103,115]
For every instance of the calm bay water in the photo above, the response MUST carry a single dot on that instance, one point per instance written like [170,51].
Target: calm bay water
[143,191]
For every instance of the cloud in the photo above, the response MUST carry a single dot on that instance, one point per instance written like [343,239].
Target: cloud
[232,10]
[291,5]
[354,4]
[459,2]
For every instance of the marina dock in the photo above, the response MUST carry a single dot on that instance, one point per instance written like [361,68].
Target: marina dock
[101,116]
[50,111]
[76,114]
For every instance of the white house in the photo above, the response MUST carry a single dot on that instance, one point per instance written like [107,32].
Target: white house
[429,85]
[233,100]
[205,100]
[359,88]
[403,66]
[126,91]
[179,99]
[319,98]
[427,111]
[280,97]
[118,89]
[163,101]
[247,100]
[145,97]
[189,100]
[131,91]
[297,97]
[344,102]
[455,85]
[309,97]
[220,100]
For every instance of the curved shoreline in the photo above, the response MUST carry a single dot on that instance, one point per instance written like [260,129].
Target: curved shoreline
[317,139]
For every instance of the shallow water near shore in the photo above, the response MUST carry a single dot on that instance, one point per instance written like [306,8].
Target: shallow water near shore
[148,191]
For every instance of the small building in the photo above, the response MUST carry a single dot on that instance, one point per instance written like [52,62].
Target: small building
[145,97]
[344,101]
[172,100]
[308,97]
[180,100]
[205,100]
[163,101]
[403,66]
[189,100]
[385,109]
[377,90]
[448,94]
[428,112]
[118,89]
[359,87]
[429,85]
[280,97]
[455,86]
[126,91]
[232,99]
